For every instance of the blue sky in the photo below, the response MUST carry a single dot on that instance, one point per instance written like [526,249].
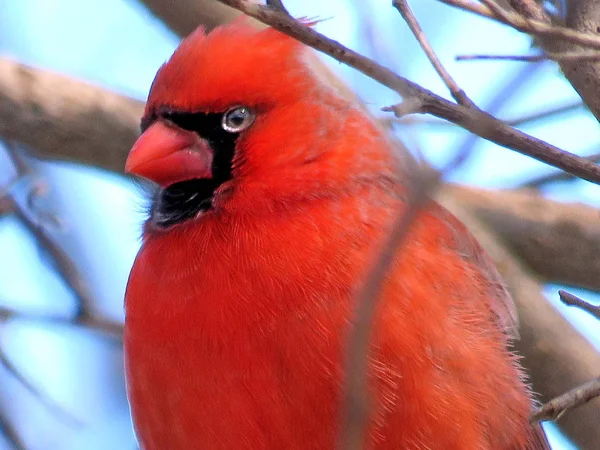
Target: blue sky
[117,44]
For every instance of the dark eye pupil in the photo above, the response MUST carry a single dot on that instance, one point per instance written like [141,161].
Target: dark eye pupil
[236,118]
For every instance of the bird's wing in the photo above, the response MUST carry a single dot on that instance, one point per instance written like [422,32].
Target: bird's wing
[499,300]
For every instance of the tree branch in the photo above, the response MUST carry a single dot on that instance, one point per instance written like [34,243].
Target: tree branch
[559,241]
[572,300]
[457,93]
[556,407]
[66,118]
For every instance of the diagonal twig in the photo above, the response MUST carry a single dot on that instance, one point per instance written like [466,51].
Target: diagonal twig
[10,432]
[457,92]
[40,396]
[572,300]
[564,56]
[92,322]
[526,25]
[556,407]
[556,176]
[63,263]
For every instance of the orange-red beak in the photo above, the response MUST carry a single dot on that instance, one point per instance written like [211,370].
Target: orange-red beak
[167,154]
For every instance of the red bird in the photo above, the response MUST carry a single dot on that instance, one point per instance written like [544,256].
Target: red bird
[275,195]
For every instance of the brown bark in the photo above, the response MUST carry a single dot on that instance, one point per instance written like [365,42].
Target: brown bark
[560,242]
[62,118]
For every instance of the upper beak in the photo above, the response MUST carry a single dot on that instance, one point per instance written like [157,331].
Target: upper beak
[166,155]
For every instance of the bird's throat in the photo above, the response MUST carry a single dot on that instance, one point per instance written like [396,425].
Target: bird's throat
[182,201]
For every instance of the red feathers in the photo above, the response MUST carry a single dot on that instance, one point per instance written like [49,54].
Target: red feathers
[239,303]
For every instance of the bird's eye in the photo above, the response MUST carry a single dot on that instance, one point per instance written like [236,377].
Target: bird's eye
[237,119]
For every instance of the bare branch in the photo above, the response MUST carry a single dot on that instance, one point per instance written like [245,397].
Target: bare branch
[579,35]
[541,232]
[10,432]
[92,322]
[63,118]
[525,25]
[566,56]
[530,9]
[555,176]
[572,300]
[408,16]
[186,15]
[545,114]
[556,407]
[40,396]
[64,265]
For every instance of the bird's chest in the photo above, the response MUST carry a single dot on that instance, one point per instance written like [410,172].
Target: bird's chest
[243,358]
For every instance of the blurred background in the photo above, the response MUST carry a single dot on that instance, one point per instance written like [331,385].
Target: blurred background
[69,231]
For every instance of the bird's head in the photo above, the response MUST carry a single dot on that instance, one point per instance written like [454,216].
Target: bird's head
[237,117]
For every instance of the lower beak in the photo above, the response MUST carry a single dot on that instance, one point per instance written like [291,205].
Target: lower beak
[166,155]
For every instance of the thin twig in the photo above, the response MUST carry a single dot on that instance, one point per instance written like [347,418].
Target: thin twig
[566,56]
[110,328]
[526,119]
[572,300]
[471,119]
[40,396]
[524,24]
[571,399]
[10,432]
[556,176]
[510,89]
[459,95]
[64,265]
[546,114]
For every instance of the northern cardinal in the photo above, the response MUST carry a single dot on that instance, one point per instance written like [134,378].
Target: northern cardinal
[275,198]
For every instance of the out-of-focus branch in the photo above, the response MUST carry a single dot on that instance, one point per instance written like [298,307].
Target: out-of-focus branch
[584,74]
[526,25]
[555,176]
[40,396]
[65,267]
[556,356]
[559,241]
[92,322]
[66,118]
[424,182]
[9,432]
[546,114]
